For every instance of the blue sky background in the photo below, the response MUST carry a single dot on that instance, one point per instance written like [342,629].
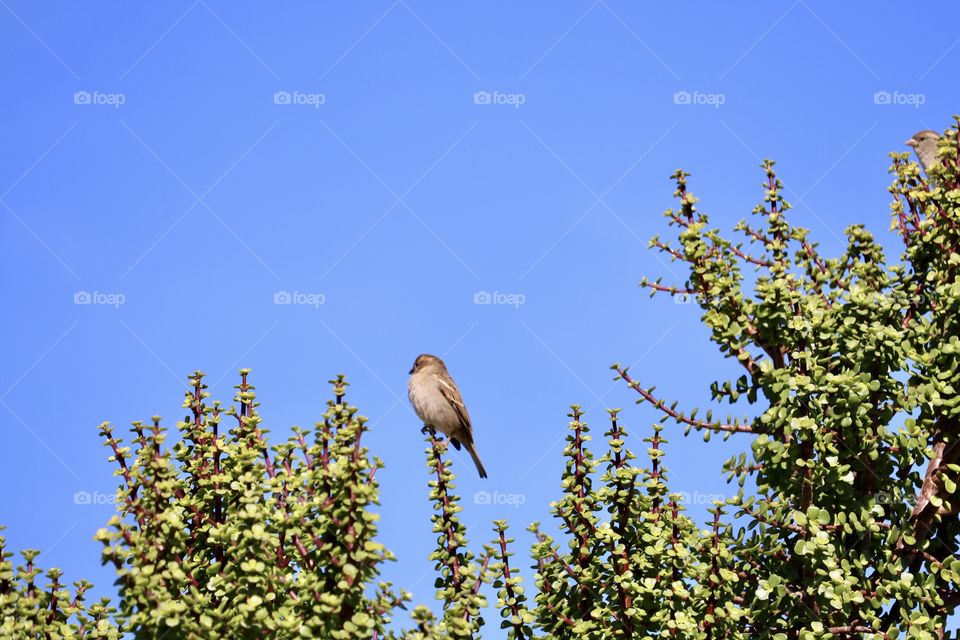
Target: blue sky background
[395,201]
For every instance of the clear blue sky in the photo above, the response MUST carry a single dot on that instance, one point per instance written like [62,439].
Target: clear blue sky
[378,185]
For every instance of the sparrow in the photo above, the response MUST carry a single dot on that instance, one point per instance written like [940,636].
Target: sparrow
[437,401]
[924,144]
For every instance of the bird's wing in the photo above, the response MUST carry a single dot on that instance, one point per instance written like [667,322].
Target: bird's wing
[452,395]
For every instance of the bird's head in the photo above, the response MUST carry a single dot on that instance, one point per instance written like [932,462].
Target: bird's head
[425,360]
[919,138]
[924,144]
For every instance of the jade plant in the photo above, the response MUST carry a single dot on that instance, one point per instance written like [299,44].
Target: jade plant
[844,525]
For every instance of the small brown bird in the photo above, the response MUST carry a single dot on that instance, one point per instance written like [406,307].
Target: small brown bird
[437,401]
[924,144]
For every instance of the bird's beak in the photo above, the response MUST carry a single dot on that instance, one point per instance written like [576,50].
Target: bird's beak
[911,142]
[411,370]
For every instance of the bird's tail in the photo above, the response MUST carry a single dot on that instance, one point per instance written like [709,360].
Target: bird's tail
[472,450]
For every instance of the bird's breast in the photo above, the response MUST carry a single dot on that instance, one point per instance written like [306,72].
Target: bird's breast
[429,403]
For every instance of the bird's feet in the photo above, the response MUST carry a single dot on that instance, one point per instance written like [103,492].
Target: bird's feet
[428,429]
